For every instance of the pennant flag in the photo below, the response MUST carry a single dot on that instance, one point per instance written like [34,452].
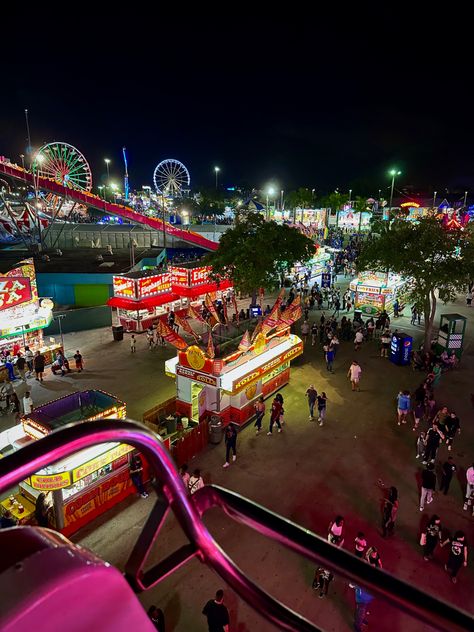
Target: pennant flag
[213,296]
[296,301]
[171,336]
[271,320]
[234,303]
[245,344]
[280,298]
[210,347]
[193,313]
[210,306]
[257,330]
[183,323]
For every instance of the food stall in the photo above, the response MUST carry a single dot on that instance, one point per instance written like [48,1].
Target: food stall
[142,297]
[374,292]
[23,315]
[85,484]
[225,387]
[316,266]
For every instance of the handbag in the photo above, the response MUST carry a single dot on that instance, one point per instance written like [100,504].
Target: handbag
[423,539]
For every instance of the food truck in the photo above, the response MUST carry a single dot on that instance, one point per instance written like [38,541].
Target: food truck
[84,485]
[23,316]
[142,297]
[226,385]
[374,292]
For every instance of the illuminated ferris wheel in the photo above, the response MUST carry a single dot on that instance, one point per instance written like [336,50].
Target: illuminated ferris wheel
[171,177]
[64,164]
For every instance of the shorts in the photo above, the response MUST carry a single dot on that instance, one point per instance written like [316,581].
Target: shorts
[385,345]
[402,411]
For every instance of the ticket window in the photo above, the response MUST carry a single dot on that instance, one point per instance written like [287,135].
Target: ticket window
[196,396]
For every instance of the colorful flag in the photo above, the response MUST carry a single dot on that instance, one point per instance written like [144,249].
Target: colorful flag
[210,347]
[171,336]
[257,330]
[280,298]
[234,303]
[245,344]
[271,320]
[193,313]
[210,306]
[183,323]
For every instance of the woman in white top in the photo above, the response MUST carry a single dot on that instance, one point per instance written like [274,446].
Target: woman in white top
[354,375]
[335,531]
[195,482]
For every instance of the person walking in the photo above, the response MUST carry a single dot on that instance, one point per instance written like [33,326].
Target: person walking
[389,514]
[322,403]
[230,437]
[457,554]
[358,340]
[133,344]
[322,578]
[354,374]
[38,363]
[372,556]
[452,426]
[27,403]
[183,472]
[29,357]
[21,367]
[403,406]
[360,544]
[136,474]
[420,445]
[430,537]
[385,340]
[79,361]
[275,416]
[195,482]
[469,487]
[260,412]
[418,414]
[449,469]
[217,614]
[336,531]
[314,334]
[305,331]
[433,438]
[362,600]
[329,353]
[428,485]
[312,395]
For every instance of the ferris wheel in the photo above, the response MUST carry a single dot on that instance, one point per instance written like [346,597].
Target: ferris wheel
[170,177]
[64,164]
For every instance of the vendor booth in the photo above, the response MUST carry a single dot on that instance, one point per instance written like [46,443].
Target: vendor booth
[142,297]
[374,292]
[84,485]
[316,266]
[23,316]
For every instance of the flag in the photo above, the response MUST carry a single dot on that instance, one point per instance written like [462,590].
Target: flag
[171,336]
[296,301]
[234,302]
[271,320]
[244,344]
[193,313]
[210,306]
[289,316]
[280,298]
[183,323]
[257,330]
[210,347]
[224,309]
[213,296]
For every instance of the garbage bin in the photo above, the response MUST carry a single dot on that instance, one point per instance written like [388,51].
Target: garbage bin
[216,432]
[358,315]
[117,331]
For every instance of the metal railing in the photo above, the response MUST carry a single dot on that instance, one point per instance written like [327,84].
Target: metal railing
[172,495]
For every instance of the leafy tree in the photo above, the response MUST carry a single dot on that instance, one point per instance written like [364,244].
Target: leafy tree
[334,201]
[302,198]
[211,201]
[432,258]
[256,253]
[360,206]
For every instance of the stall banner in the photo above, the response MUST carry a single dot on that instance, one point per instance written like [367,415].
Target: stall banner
[179,276]
[124,287]
[183,323]
[14,291]
[199,276]
[156,284]
[210,347]
[197,376]
[193,313]
[244,344]
[171,336]
[271,320]
[50,482]
[210,306]
[100,461]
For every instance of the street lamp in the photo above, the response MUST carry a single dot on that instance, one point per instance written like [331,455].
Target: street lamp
[350,196]
[22,156]
[281,200]
[107,162]
[101,188]
[393,173]
[434,198]
[270,192]
[216,171]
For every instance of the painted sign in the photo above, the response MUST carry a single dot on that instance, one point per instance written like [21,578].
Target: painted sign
[197,376]
[50,482]
[195,357]
[124,287]
[14,291]
[156,284]
[179,276]
[100,461]
[200,275]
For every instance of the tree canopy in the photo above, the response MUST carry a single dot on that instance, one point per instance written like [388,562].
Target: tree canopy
[300,198]
[256,253]
[431,257]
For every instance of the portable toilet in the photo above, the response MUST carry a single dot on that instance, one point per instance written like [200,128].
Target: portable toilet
[452,328]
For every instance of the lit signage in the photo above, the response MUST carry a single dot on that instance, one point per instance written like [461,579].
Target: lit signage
[156,284]
[100,461]
[124,287]
[14,291]
[180,276]
[50,482]
[267,367]
[410,205]
[200,275]
[203,378]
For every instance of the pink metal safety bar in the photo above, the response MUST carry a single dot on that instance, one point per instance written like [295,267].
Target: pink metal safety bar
[172,495]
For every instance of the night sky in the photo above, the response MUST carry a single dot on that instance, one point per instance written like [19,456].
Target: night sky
[295,104]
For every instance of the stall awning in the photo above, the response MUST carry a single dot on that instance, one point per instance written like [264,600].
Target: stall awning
[198,290]
[144,303]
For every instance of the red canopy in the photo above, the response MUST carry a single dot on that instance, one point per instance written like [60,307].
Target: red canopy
[198,290]
[144,303]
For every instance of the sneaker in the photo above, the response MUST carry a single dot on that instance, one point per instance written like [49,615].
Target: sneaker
[144,495]
[225,465]
[417,456]
[398,423]
[427,559]
[320,423]
[269,434]
[449,448]
[311,417]
[465,506]
[421,508]
[234,457]
[321,594]
[258,432]
[279,429]
[425,462]
[430,500]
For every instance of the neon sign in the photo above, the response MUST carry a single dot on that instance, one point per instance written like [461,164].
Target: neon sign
[14,291]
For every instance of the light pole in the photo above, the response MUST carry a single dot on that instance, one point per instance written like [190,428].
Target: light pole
[270,191]
[29,137]
[434,198]
[281,200]
[216,171]
[350,196]
[59,318]
[101,188]
[380,193]
[22,156]
[465,198]
[393,173]
[107,162]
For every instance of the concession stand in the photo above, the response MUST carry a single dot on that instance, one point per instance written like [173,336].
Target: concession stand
[142,297]
[373,291]
[225,386]
[84,485]
[315,267]
[23,315]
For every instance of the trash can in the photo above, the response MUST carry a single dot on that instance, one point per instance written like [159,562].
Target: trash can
[216,431]
[117,331]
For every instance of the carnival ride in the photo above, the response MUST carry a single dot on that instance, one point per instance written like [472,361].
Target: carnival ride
[61,184]
[171,177]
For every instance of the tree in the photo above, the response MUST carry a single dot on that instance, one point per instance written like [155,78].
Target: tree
[300,198]
[430,257]
[334,201]
[211,201]
[256,253]
[360,206]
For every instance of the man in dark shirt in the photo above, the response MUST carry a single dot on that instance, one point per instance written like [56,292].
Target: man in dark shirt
[217,614]
[428,484]
[449,468]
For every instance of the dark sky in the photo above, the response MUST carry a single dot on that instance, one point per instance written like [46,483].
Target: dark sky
[299,104]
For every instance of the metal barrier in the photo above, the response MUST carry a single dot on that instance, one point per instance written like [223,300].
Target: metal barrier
[172,495]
